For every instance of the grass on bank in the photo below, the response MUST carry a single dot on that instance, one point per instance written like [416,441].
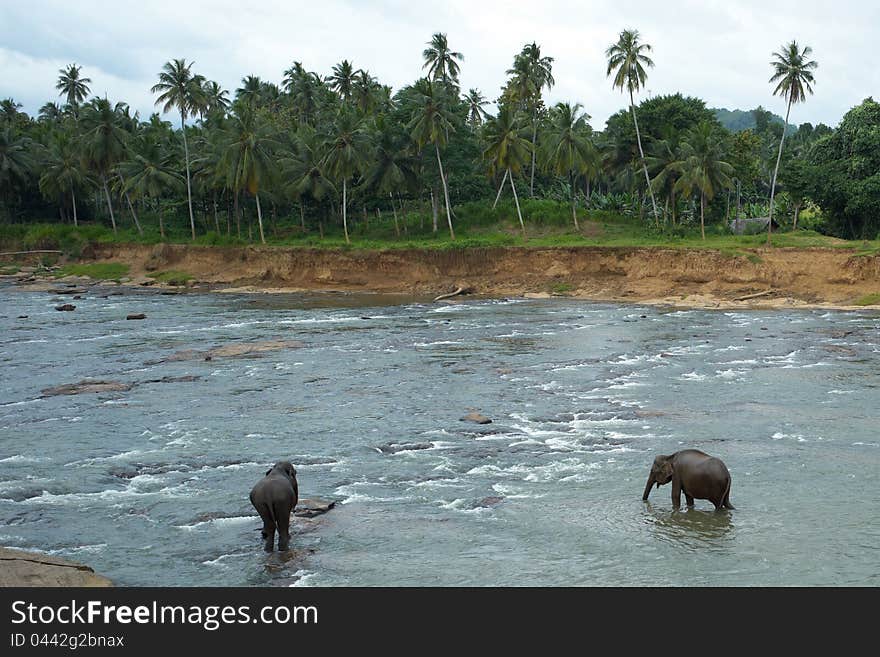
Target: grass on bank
[869,300]
[108,271]
[548,224]
[172,277]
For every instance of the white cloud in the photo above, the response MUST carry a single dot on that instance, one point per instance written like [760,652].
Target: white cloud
[717,50]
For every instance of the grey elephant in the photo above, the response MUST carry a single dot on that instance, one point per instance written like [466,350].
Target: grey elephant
[274,497]
[694,473]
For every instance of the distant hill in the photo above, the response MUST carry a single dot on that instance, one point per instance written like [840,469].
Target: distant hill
[739,120]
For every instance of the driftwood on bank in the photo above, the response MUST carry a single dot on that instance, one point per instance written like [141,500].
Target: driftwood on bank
[11,253]
[755,295]
[459,290]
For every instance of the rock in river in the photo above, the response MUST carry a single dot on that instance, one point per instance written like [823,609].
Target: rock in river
[394,448]
[136,316]
[309,508]
[67,306]
[20,568]
[476,417]
[86,385]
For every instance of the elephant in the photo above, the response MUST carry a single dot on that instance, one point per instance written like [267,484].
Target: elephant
[694,473]
[274,497]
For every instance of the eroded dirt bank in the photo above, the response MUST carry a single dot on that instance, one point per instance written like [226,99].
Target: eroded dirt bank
[689,277]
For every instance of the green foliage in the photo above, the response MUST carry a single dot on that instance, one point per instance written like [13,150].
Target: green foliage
[869,300]
[173,277]
[107,271]
[842,174]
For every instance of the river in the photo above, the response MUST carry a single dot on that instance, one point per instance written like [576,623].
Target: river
[150,486]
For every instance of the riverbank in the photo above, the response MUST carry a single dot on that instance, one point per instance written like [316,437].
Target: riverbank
[21,568]
[703,278]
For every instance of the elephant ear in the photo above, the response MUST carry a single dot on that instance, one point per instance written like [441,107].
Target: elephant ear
[667,469]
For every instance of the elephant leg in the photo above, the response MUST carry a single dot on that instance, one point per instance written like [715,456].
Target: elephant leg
[283,529]
[676,493]
[688,499]
[269,535]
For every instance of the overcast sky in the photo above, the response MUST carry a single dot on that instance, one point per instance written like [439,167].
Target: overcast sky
[717,50]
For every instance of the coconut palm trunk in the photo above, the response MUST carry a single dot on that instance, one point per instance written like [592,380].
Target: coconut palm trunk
[192,221]
[260,219]
[702,213]
[776,171]
[109,203]
[73,198]
[445,190]
[394,212]
[573,202]
[534,148]
[516,200]
[632,106]
[133,214]
[500,187]
[344,210]
[302,217]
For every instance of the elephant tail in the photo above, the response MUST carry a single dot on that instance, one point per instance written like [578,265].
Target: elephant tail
[726,499]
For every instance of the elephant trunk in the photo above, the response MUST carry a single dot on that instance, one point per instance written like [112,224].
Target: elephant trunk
[648,486]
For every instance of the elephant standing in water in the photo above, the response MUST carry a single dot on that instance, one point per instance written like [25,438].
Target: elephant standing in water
[694,473]
[274,497]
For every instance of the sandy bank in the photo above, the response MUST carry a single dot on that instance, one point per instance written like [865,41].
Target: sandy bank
[819,277]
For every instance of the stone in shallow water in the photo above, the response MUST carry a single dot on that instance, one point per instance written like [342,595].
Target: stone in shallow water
[84,386]
[476,417]
[394,448]
[66,307]
[311,507]
[489,502]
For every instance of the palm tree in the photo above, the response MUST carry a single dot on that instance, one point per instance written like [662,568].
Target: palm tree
[346,156]
[392,165]
[63,173]
[250,90]
[178,87]
[507,150]
[74,88]
[702,167]
[9,113]
[665,159]
[103,143]
[531,74]
[431,122]
[303,87]
[342,79]
[149,172]
[626,59]
[51,113]
[216,97]
[247,158]
[475,112]
[441,61]
[16,158]
[793,72]
[567,149]
[304,168]
[364,92]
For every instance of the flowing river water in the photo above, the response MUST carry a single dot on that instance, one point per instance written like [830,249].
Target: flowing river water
[150,485]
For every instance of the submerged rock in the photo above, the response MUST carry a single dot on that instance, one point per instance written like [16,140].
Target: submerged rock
[67,290]
[66,307]
[249,348]
[136,316]
[476,417]
[394,448]
[488,502]
[85,386]
[20,568]
[311,507]
[233,350]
